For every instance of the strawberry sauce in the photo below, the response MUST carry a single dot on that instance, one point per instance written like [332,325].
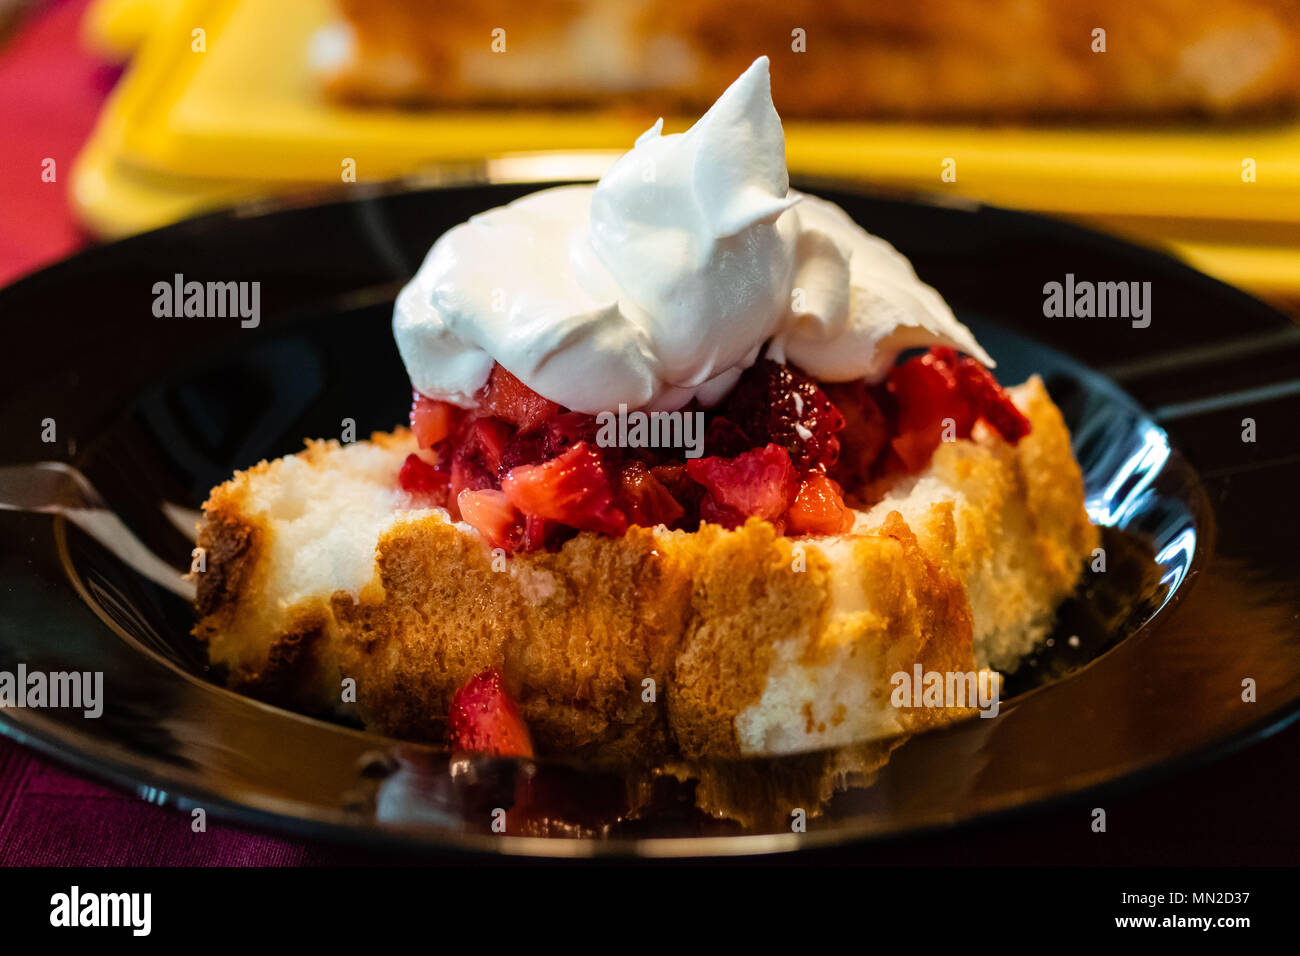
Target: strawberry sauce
[529,474]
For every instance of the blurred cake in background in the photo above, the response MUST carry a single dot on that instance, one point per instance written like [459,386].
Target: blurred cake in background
[934,58]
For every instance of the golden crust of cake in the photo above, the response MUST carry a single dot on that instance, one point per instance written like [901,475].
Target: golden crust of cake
[998,59]
[657,645]
[575,634]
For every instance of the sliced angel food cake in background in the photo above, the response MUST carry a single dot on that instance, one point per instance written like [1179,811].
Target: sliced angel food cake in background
[517,572]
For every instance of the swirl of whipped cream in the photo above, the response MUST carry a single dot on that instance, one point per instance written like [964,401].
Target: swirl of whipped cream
[665,280]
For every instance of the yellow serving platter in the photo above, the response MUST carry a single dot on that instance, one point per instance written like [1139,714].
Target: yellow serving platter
[188,130]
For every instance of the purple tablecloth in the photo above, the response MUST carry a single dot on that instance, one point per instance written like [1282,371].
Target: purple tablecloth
[49,816]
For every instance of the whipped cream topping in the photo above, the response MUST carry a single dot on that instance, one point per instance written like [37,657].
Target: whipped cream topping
[667,279]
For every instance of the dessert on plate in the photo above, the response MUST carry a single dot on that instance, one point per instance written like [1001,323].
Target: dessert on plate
[695,467]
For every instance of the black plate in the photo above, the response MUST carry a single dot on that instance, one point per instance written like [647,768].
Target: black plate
[1199,593]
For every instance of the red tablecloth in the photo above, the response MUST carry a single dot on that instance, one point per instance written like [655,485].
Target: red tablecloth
[1239,810]
[50,93]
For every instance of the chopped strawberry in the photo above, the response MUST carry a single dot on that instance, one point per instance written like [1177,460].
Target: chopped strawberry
[760,482]
[484,719]
[571,489]
[992,403]
[467,474]
[716,513]
[476,461]
[432,420]
[539,533]
[567,429]
[818,508]
[725,439]
[487,437]
[509,399]
[939,385]
[780,447]
[643,497]
[865,435]
[557,435]
[686,491]
[525,449]
[495,518]
[927,390]
[421,478]
[776,403]
[930,400]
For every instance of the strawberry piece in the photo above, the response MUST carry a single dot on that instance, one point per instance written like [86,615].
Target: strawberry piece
[818,508]
[930,399]
[866,432]
[556,436]
[644,499]
[571,489]
[715,513]
[939,385]
[479,447]
[539,533]
[991,401]
[421,478]
[484,719]
[725,439]
[760,482]
[684,489]
[529,449]
[432,420]
[492,515]
[509,399]
[927,390]
[776,403]
[467,474]
[487,438]
[568,429]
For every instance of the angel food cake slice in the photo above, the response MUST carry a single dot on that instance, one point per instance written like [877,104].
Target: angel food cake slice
[518,572]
